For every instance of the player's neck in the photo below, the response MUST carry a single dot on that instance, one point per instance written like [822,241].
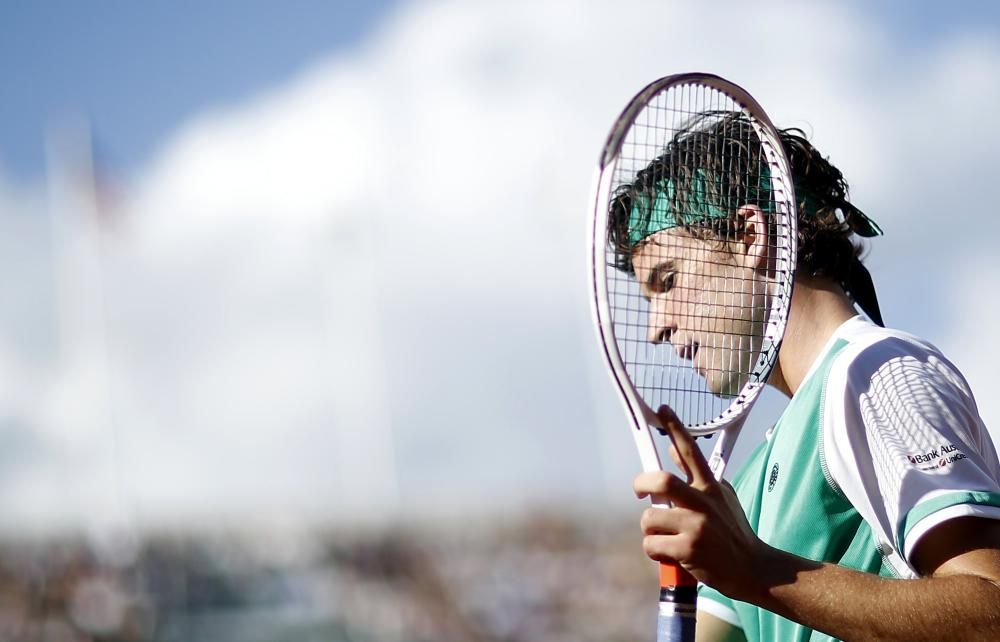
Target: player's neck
[818,308]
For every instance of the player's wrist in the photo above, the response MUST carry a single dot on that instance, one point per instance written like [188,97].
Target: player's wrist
[767,569]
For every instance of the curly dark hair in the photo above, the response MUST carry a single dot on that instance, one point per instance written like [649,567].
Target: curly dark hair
[715,151]
[720,149]
[828,223]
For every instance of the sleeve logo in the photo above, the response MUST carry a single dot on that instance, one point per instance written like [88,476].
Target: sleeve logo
[774,478]
[945,455]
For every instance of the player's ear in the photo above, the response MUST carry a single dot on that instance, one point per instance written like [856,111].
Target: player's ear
[754,244]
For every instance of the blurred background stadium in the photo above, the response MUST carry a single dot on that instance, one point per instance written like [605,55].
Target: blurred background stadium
[294,333]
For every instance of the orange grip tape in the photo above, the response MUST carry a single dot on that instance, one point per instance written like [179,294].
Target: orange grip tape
[674,575]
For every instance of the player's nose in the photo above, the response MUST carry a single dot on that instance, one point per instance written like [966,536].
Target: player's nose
[660,326]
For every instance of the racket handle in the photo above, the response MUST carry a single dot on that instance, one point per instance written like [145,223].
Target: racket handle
[678,596]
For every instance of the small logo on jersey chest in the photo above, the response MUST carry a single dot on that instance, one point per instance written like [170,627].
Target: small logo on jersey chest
[773,479]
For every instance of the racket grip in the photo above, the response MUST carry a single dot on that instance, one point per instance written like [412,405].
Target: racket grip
[678,596]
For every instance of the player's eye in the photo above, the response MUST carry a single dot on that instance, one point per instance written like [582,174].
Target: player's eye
[667,281]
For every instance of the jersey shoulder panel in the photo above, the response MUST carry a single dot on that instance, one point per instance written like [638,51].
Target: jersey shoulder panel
[900,428]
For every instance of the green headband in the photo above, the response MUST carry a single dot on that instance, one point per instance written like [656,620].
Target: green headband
[700,208]
[662,214]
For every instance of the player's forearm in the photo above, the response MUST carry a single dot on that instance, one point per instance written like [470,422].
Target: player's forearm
[859,606]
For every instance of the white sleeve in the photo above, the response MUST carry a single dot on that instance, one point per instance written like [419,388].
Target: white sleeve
[903,441]
[715,603]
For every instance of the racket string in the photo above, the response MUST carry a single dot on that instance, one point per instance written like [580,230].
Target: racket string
[697,389]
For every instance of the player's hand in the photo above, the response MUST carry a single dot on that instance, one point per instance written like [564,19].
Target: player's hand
[706,531]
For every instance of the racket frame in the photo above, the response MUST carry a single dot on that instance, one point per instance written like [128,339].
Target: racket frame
[732,418]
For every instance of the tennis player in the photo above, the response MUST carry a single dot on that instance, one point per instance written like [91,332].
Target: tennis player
[872,509]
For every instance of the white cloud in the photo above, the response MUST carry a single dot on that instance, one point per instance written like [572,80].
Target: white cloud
[970,298]
[382,260]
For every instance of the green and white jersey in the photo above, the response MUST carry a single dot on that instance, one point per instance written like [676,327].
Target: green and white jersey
[881,443]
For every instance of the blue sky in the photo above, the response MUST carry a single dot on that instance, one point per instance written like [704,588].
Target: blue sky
[138,69]
[915,21]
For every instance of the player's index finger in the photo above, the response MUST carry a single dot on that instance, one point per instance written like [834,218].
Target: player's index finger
[688,451]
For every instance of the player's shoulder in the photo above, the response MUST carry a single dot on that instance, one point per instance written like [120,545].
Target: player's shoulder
[876,359]
[863,336]
[898,387]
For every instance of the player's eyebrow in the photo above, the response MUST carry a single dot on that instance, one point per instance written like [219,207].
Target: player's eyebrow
[653,281]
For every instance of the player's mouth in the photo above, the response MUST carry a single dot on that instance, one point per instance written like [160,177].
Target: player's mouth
[688,351]
[691,352]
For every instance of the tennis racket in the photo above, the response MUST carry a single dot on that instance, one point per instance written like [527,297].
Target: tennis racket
[693,255]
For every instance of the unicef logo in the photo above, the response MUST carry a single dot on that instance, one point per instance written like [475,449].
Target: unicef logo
[773,479]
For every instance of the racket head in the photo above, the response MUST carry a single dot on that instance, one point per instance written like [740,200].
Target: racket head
[693,196]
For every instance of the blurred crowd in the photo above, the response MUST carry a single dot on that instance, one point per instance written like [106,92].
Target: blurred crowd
[534,579]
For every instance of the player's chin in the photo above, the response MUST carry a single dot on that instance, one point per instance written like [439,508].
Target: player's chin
[724,384]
